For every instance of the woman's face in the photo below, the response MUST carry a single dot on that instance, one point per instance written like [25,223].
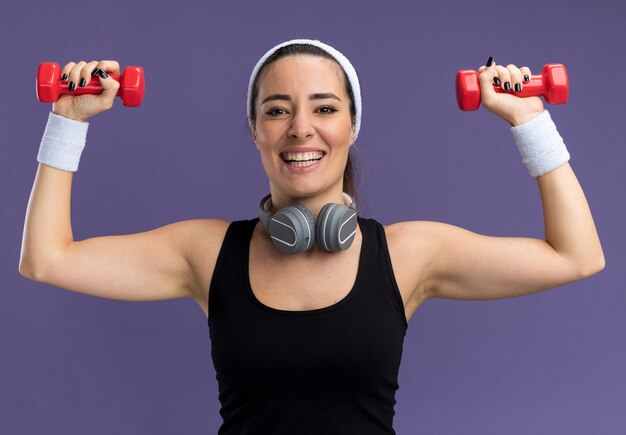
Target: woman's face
[303,126]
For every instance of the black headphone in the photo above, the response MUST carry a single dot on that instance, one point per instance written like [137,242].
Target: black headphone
[293,229]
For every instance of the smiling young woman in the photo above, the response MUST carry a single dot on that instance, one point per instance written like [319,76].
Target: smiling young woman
[308,304]
[304,130]
[306,105]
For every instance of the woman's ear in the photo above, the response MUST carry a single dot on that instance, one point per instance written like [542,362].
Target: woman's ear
[254,139]
[352,135]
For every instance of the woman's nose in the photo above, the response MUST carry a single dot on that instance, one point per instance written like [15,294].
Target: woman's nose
[301,126]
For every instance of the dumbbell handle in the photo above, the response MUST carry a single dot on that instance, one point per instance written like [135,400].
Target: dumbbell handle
[552,84]
[49,85]
[93,87]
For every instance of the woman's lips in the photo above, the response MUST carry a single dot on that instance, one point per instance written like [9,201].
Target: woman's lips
[301,157]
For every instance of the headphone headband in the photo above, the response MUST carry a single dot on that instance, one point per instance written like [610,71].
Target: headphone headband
[265,208]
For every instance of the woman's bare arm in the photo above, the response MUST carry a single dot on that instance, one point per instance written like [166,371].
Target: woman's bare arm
[151,265]
[459,264]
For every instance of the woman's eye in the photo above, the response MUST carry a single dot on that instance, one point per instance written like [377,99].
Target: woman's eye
[276,112]
[327,109]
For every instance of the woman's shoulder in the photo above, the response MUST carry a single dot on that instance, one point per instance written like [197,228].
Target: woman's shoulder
[412,246]
[203,229]
[203,239]
[413,241]
[410,230]
[406,234]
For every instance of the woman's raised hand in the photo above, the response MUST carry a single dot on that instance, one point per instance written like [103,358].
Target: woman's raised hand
[82,107]
[514,110]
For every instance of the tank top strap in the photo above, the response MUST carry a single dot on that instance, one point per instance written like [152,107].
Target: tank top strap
[381,280]
[230,261]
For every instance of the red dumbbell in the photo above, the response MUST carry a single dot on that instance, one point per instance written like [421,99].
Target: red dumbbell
[552,84]
[50,86]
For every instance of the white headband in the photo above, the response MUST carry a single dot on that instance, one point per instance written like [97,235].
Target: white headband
[343,61]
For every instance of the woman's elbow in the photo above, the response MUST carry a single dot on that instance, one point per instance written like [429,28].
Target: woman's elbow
[30,270]
[591,268]
[25,270]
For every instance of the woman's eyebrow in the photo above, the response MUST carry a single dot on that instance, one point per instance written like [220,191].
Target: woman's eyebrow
[323,96]
[285,97]
[276,97]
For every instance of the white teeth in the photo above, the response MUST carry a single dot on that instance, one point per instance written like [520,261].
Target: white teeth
[302,164]
[302,157]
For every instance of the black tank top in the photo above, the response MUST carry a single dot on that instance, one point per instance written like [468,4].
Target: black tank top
[328,371]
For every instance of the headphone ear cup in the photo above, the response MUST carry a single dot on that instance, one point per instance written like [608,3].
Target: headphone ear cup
[336,227]
[292,229]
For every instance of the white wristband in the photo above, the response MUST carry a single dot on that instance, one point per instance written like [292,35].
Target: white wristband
[62,142]
[540,144]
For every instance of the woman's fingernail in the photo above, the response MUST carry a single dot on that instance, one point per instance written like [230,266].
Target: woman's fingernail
[103,74]
[72,86]
[507,86]
[82,82]
[496,81]
[95,72]
[518,87]
[490,61]
[526,78]
[64,77]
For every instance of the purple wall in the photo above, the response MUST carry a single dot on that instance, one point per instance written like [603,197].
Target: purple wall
[550,363]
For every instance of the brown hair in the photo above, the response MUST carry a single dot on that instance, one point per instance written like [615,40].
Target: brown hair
[349,173]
